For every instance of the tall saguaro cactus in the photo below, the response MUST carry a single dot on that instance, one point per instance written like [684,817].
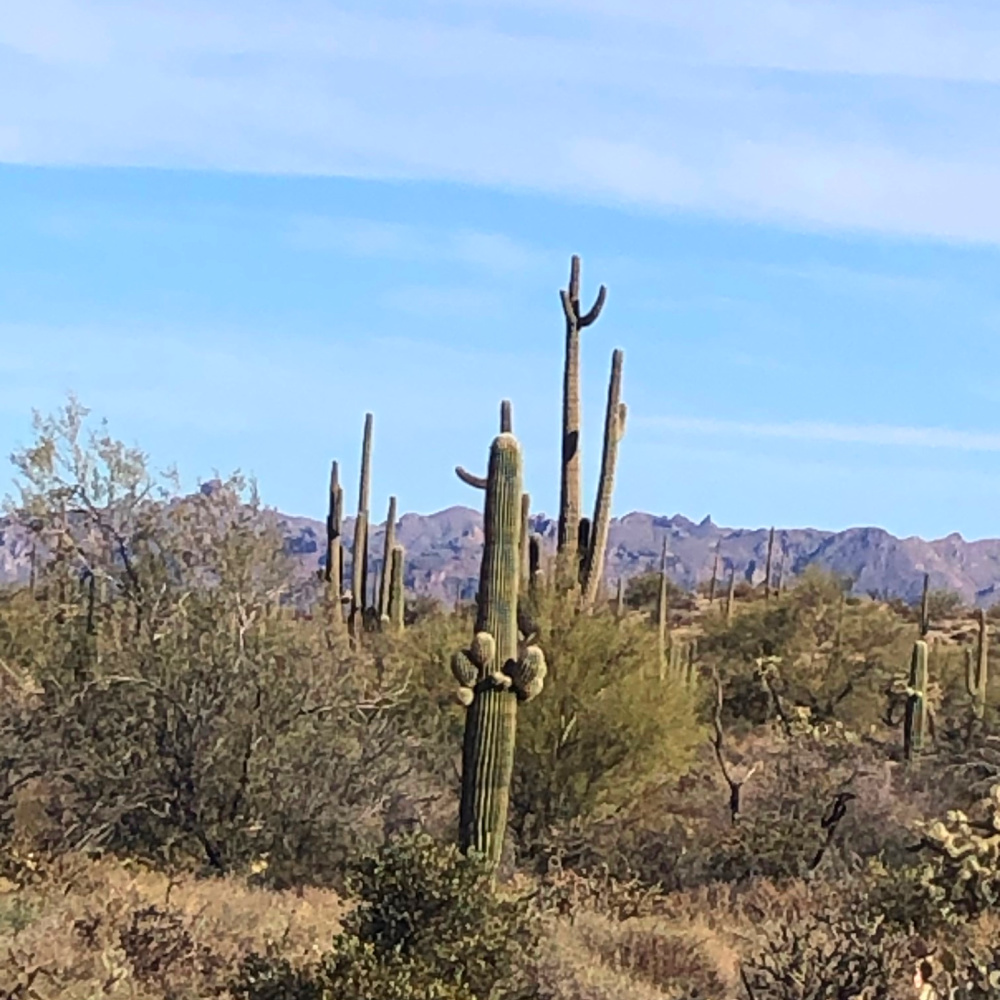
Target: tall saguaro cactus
[767,567]
[977,677]
[385,580]
[395,607]
[925,621]
[915,724]
[662,613]
[715,574]
[570,485]
[614,428]
[359,552]
[493,675]
[333,572]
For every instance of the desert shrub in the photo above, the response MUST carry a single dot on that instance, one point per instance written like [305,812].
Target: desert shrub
[604,730]
[833,951]
[427,924]
[823,653]
[962,869]
[167,706]
[642,592]
[968,972]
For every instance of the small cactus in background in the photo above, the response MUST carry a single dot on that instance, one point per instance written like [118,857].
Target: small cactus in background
[715,574]
[524,544]
[333,570]
[390,542]
[977,674]
[915,723]
[662,614]
[493,674]
[767,565]
[620,600]
[731,595]
[395,605]
[925,622]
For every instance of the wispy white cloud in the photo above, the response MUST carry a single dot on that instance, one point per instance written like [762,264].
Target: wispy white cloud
[873,122]
[494,252]
[885,435]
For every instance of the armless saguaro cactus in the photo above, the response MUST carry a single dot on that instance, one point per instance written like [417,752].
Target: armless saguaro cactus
[390,541]
[570,484]
[663,613]
[614,429]
[767,566]
[915,724]
[395,605]
[359,551]
[334,569]
[977,677]
[493,674]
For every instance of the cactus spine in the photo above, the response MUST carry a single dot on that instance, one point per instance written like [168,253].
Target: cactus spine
[614,429]
[977,678]
[915,724]
[570,485]
[395,605]
[359,552]
[493,675]
[385,583]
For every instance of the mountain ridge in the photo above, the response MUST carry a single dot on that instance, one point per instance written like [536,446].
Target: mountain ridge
[443,550]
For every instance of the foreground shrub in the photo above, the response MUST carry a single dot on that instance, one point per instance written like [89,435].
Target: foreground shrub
[835,952]
[428,925]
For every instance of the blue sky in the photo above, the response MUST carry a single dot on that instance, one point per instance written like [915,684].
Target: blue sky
[233,228]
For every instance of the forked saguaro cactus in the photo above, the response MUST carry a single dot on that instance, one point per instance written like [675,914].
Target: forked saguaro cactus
[493,674]
[977,674]
[570,483]
[915,724]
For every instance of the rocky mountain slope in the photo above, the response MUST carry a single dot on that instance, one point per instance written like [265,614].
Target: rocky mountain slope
[443,552]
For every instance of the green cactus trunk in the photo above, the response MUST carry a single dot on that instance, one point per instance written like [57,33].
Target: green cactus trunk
[359,551]
[767,566]
[662,614]
[390,542]
[977,678]
[915,723]
[492,675]
[614,429]
[395,604]
[524,543]
[925,622]
[333,571]
[715,575]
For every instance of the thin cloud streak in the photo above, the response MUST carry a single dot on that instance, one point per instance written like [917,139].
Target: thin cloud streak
[673,113]
[882,435]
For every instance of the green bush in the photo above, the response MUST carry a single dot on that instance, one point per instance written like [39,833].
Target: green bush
[428,925]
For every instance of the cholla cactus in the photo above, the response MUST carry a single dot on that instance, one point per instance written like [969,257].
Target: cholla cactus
[963,873]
